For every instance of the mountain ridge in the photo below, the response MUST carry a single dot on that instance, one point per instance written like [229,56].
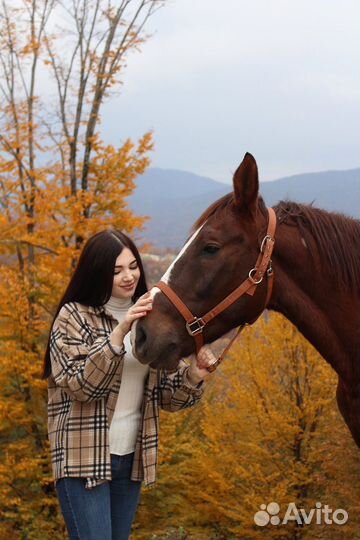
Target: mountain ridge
[174,199]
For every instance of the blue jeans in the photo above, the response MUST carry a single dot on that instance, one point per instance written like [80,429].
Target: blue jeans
[104,512]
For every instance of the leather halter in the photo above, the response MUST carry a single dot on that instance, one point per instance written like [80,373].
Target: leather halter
[195,325]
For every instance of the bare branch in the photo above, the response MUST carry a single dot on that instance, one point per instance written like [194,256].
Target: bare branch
[28,243]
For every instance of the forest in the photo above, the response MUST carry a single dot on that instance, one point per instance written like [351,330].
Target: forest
[267,429]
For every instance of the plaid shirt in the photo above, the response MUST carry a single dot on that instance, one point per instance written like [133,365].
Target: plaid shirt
[82,394]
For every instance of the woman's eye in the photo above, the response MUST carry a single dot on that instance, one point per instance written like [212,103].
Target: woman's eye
[211,249]
[134,267]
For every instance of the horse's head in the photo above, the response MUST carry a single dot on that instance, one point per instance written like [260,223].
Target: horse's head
[214,261]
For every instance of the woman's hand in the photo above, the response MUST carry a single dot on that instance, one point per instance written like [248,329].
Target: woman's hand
[197,371]
[141,307]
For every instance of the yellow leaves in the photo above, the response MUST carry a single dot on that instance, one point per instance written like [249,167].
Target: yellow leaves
[266,430]
[38,252]
[116,169]
[31,47]
[50,207]
[21,477]
[39,244]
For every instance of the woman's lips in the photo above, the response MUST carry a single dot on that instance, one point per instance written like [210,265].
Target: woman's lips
[128,287]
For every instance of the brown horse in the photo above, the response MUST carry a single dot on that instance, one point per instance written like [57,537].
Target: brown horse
[316,265]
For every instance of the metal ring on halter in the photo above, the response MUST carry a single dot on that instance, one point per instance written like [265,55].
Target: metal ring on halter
[255,281]
[265,239]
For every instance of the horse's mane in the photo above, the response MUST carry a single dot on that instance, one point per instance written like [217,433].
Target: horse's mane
[337,237]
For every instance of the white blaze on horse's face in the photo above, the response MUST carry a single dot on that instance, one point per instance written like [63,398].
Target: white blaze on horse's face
[166,278]
[167,275]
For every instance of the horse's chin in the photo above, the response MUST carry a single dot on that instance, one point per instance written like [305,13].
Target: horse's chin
[167,359]
[169,366]
[165,356]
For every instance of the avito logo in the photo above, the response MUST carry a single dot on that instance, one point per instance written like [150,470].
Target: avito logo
[320,515]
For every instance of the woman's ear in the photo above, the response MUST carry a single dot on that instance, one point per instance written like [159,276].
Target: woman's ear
[246,185]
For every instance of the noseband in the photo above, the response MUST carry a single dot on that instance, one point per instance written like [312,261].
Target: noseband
[195,325]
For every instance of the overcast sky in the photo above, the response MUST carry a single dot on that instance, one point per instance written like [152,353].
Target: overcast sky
[277,78]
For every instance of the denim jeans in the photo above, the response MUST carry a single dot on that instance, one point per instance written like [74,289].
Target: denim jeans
[104,512]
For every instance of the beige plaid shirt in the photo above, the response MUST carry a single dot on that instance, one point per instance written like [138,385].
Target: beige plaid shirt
[82,394]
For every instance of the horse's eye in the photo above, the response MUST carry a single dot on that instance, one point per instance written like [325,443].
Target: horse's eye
[211,249]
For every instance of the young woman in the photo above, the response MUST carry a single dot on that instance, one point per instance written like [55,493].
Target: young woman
[103,405]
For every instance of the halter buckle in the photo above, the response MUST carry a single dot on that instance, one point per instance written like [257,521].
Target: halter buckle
[195,327]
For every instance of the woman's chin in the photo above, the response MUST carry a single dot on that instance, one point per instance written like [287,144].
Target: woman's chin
[124,294]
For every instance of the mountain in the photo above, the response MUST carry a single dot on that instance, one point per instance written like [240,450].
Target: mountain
[337,191]
[174,199]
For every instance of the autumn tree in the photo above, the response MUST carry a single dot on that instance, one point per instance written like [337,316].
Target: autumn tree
[267,430]
[59,183]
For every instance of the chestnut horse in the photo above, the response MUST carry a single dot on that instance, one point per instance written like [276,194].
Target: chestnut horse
[316,265]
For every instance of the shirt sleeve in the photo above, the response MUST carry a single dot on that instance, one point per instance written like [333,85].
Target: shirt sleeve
[175,390]
[84,368]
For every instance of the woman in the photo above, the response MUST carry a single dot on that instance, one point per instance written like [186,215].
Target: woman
[103,406]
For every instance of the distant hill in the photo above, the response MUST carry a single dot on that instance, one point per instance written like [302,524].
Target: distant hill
[174,199]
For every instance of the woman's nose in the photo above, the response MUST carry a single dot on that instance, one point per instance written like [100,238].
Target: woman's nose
[127,275]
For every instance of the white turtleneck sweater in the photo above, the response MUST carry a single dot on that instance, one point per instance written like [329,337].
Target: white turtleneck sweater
[127,415]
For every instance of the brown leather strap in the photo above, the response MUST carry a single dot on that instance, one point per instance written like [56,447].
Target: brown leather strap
[256,275]
[213,366]
[270,282]
[266,249]
[173,297]
[230,299]
[190,319]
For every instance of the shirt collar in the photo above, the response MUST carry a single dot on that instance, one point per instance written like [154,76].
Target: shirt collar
[100,310]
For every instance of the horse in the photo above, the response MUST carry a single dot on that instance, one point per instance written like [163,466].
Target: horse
[316,267]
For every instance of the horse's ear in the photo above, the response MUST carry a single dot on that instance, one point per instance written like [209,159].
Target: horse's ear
[246,184]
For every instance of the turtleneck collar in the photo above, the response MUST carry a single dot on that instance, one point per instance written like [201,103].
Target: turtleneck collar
[117,304]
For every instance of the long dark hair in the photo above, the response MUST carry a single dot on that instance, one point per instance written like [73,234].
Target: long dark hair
[92,280]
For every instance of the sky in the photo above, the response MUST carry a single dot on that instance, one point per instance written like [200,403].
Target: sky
[277,78]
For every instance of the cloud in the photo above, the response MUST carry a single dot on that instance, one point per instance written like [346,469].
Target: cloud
[278,78]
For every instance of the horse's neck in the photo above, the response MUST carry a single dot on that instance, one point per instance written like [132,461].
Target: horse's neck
[312,302]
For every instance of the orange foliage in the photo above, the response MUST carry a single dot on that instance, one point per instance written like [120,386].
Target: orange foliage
[59,184]
[267,430]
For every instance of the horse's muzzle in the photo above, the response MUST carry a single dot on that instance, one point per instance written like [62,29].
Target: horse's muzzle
[160,351]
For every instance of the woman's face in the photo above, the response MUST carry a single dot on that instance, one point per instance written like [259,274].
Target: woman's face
[126,275]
